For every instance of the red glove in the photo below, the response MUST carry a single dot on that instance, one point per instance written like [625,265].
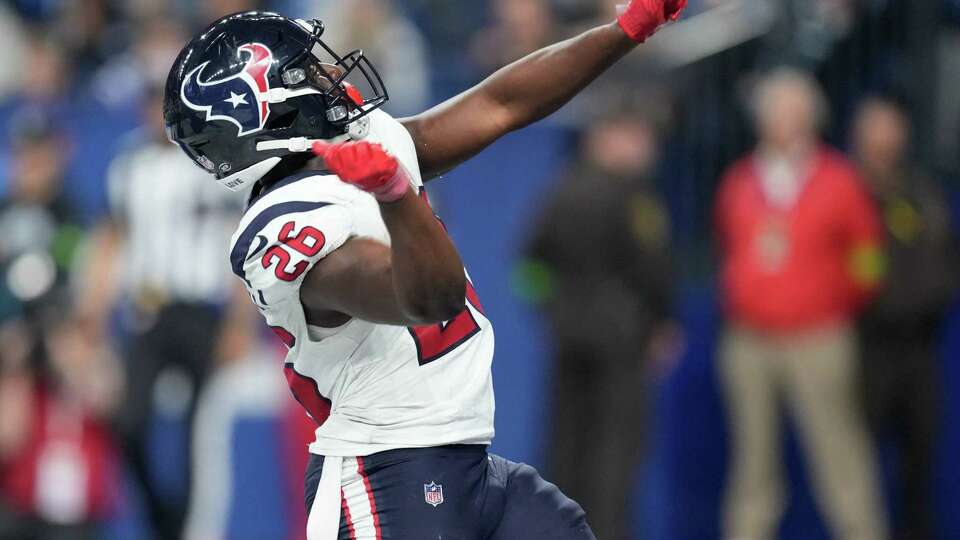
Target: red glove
[367,166]
[642,18]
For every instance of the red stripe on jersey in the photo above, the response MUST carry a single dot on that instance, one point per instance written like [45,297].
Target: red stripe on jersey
[370,497]
[346,516]
[305,391]
[474,298]
[285,336]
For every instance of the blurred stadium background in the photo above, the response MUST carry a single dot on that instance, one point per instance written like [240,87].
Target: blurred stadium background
[84,300]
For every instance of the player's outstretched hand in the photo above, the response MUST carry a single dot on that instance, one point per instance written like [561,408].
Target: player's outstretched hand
[365,165]
[641,18]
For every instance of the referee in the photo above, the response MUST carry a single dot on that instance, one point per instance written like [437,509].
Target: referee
[158,262]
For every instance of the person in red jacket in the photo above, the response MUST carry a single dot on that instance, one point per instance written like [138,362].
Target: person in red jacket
[801,253]
[59,476]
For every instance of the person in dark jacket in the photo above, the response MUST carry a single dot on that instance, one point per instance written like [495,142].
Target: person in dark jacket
[900,332]
[599,262]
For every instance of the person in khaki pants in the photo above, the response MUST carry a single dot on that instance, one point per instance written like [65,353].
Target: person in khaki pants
[801,253]
[814,376]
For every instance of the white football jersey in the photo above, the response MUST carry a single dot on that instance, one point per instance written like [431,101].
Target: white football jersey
[369,387]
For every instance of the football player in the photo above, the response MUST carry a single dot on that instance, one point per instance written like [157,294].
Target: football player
[389,349]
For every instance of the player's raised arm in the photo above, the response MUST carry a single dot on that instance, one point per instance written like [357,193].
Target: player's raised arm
[417,280]
[530,88]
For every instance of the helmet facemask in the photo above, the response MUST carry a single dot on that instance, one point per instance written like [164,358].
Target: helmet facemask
[350,85]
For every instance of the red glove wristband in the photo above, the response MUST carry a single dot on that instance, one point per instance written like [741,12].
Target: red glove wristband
[394,189]
[367,166]
[642,18]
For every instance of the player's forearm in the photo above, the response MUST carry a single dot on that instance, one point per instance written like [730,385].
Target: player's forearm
[516,96]
[544,81]
[358,280]
[427,273]
[419,279]
[538,85]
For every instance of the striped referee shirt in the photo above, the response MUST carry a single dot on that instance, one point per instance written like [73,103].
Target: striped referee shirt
[177,223]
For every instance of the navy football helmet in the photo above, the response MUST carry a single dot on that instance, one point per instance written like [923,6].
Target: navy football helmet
[256,88]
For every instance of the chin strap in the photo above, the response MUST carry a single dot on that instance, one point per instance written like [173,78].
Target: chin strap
[296,144]
[281,94]
[356,131]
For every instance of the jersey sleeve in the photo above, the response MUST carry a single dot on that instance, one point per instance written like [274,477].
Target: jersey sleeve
[398,141]
[282,242]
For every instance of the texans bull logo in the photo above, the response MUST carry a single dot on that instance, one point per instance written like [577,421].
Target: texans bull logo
[241,99]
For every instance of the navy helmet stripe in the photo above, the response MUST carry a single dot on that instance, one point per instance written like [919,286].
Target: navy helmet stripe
[239,253]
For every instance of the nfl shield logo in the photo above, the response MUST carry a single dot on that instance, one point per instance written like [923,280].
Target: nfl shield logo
[433,494]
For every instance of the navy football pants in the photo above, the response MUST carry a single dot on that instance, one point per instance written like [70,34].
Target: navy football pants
[449,493]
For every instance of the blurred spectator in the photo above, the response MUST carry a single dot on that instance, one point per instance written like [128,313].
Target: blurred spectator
[801,250]
[58,462]
[900,332]
[600,263]
[56,458]
[123,80]
[12,42]
[161,256]
[45,91]
[212,10]
[41,231]
[578,12]
[44,85]
[519,28]
[88,34]
[396,47]
[105,103]
[947,110]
